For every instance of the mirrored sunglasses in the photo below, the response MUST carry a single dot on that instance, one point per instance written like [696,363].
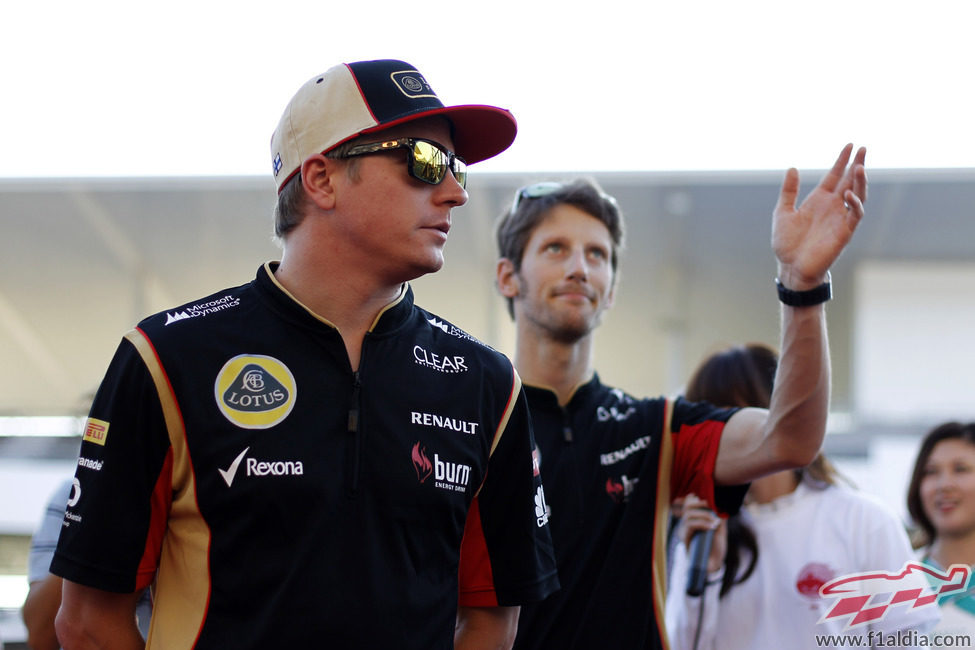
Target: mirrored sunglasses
[427,161]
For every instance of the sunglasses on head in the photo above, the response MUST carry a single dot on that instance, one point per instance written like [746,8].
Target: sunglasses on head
[534,191]
[545,188]
[426,161]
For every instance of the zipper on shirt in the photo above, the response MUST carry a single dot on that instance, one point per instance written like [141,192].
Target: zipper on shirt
[567,438]
[353,428]
[566,425]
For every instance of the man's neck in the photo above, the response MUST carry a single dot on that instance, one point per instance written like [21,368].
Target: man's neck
[348,299]
[561,367]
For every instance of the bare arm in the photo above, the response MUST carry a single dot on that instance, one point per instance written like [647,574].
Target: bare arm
[486,628]
[40,607]
[91,619]
[806,240]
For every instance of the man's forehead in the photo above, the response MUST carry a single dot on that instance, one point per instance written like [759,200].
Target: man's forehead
[565,218]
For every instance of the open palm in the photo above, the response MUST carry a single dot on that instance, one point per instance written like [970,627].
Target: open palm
[808,239]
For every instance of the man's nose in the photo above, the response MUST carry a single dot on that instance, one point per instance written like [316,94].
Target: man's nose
[577,266]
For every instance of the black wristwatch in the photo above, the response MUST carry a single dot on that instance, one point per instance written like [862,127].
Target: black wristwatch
[815,296]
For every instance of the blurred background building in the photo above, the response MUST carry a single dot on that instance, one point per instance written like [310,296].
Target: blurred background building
[81,261]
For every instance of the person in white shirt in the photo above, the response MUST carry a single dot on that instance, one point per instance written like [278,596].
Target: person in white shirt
[806,529]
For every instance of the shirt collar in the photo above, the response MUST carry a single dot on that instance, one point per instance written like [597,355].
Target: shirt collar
[390,317]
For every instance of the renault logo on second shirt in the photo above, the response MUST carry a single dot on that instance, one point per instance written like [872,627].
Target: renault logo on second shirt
[255,391]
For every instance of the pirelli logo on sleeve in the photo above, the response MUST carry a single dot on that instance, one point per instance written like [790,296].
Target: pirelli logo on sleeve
[96,431]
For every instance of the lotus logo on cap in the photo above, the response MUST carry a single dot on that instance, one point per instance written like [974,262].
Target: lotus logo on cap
[412,84]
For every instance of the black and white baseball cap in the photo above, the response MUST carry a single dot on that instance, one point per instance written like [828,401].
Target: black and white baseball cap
[351,99]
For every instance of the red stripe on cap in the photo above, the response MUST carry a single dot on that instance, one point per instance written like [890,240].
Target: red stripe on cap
[362,95]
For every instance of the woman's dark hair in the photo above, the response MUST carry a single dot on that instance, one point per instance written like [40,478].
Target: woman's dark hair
[744,376]
[946,431]
[739,376]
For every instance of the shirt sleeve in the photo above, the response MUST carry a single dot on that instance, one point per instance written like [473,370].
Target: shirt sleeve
[696,429]
[113,525]
[506,555]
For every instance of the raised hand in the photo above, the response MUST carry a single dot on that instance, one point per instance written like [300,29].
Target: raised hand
[808,239]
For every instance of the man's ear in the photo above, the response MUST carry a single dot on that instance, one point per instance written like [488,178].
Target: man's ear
[318,176]
[509,285]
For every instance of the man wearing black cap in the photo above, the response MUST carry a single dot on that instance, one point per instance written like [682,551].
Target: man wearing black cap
[295,462]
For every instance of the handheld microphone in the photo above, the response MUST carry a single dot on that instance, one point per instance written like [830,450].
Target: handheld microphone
[697,572]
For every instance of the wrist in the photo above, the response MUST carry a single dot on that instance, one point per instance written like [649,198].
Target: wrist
[792,278]
[805,296]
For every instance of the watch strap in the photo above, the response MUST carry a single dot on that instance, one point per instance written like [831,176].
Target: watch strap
[815,296]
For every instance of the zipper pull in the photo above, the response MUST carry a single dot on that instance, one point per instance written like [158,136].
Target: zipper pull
[355,446]
[566,426]
[354,408]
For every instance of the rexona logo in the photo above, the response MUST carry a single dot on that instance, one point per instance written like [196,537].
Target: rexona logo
[447,476]
[261,468]
[449,364]
[255,391]
[868,597]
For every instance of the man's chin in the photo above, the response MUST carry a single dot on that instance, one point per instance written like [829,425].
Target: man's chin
[570,333]
[425,268]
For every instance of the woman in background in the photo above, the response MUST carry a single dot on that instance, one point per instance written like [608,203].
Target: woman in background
[941,500]
[798,530]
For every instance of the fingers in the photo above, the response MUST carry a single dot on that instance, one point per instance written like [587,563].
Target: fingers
[855,197]
[855,177]
[854,210]
[695,519]
[789,192]
[836,175]
[859,172]
[839,178]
